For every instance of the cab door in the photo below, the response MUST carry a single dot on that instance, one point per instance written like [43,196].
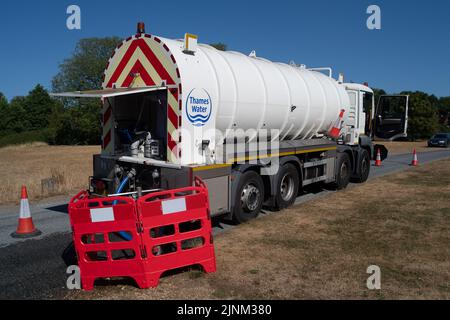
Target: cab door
[391,117]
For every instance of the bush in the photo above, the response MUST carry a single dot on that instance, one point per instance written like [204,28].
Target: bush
[25,137]
[423,119]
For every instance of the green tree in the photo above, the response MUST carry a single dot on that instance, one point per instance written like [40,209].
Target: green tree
[38,107]
[377,93]
[76,125]
[3,101]
[4,110]
[219,46]
[444,113]
[84,70]
[79,121]
[16,117]
[423,120]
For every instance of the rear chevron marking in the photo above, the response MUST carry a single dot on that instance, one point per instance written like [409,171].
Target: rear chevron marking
[157,64]
[107,115]
[173,117]
[141,44]
[146,61]
[123,63]
[138,68]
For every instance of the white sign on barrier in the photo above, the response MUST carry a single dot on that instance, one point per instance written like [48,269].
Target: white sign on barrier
[174,206]
[102,215]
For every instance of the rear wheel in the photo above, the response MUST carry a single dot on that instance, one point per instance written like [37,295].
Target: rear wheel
[287,186]
[364,168]
[343,173]
[249,197]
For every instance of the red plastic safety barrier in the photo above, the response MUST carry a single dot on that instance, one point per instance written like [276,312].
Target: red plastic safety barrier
[176,231]
[119,237]
[106,239]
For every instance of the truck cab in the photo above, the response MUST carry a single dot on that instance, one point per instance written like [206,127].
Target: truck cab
[386,120]
[361,110]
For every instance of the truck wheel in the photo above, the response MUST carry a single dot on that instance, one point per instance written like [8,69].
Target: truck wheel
[343,173]
[249,197]
[364,168]
[287,186]
[69,255]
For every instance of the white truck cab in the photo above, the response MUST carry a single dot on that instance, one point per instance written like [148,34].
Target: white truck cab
[387,120]
[361,110]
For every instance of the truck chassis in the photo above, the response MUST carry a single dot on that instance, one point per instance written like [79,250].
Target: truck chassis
[242,185]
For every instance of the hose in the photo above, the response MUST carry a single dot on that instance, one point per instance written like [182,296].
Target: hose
[122,185]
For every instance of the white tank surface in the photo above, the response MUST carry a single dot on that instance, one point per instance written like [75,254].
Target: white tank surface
[213,95]
[248,92]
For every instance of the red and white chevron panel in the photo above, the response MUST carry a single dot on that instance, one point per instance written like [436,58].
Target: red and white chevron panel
[107,140]
[142,61]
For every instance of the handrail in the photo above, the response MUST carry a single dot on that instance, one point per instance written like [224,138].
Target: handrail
[330,71]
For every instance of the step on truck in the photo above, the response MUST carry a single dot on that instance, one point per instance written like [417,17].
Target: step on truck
[256,132]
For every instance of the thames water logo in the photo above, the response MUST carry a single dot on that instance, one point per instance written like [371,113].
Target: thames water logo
[198,107]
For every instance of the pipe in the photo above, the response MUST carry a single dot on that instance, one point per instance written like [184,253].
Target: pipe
[122,185]
[134,148]
[330,71]
[132,193]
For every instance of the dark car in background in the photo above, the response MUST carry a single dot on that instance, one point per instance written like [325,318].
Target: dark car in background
[439,140]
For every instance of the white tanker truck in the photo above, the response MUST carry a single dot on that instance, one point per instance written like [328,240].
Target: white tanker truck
[254,131]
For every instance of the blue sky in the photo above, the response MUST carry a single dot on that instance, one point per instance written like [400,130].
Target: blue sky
[410,52]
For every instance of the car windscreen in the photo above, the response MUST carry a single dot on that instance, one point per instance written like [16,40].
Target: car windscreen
[440,136]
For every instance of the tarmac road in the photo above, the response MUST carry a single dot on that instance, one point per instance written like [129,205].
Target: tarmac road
[34,269]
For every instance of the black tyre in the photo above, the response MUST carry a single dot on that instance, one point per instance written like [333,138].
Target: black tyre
[364,168]
[69,255]
[287,185]
[249,197]
[343,173]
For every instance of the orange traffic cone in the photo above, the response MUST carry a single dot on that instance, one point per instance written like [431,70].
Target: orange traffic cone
[336,129]
[378,160]
[414,161]
[26,228]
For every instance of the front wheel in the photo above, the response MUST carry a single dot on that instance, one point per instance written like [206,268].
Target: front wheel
[343,173]
[364,168]
[249,197]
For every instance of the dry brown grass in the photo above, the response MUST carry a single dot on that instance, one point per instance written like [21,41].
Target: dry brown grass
[402,147]
[321,249]
[68,167]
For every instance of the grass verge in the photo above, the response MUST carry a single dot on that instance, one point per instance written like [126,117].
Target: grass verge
[45,170]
